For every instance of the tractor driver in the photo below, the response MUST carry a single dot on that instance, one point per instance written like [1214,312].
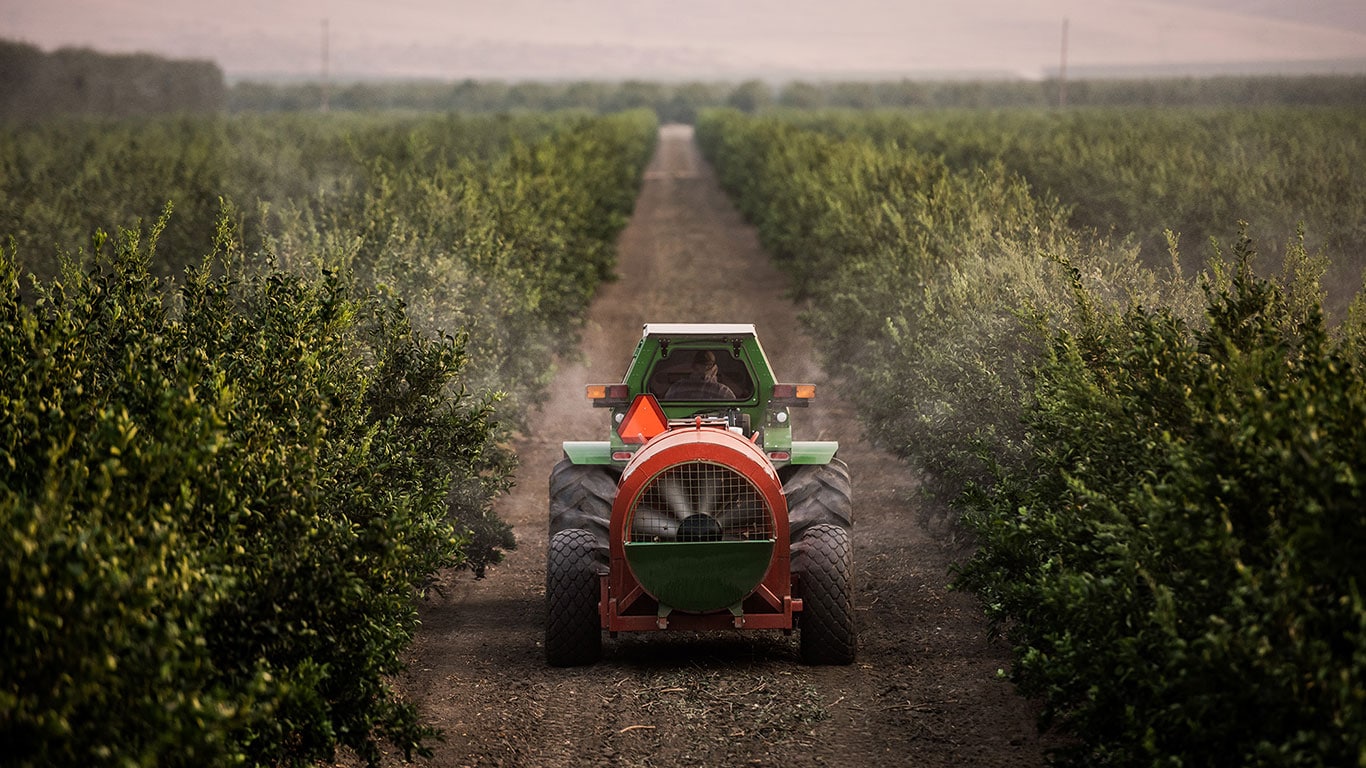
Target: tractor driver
[701,383]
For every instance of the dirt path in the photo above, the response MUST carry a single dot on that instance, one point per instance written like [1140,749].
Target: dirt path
[924,691]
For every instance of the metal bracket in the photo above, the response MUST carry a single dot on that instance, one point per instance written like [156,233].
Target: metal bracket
[739,614]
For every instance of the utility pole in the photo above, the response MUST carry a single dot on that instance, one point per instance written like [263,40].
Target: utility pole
[327,66]
[1062,69]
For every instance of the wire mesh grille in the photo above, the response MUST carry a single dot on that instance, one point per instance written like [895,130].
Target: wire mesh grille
[700,501]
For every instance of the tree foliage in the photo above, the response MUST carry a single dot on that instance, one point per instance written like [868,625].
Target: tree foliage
[1179,567]
[220,506]
[1163,474]
[232,459]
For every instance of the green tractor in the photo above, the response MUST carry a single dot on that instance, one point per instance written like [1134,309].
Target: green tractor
[700,512]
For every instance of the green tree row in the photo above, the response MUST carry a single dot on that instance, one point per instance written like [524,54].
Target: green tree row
[219,506]
[500,225]
[1141,173]
[1164,473]
[228,470]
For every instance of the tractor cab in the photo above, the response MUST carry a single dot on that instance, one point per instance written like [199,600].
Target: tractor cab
[716,372]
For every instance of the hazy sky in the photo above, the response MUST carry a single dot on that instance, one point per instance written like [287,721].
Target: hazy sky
[696,38]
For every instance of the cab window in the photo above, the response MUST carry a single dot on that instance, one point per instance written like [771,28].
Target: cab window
[701,375]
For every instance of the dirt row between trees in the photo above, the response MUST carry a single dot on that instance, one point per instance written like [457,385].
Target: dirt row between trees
[925,690]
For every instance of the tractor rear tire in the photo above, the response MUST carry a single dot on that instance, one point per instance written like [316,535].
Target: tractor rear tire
[581,496]
[817,493]
[824,562]
[573,632]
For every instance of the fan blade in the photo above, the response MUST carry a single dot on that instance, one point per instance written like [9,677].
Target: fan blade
[675,492]
[651,525]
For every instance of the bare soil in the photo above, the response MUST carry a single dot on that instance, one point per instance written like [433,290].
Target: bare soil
[925,690]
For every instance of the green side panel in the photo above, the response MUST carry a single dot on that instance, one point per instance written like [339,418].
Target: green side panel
[588,452]
[813,452]
[699,575]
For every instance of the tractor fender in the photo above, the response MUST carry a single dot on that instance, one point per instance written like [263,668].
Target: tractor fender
[588,451]
[813,451]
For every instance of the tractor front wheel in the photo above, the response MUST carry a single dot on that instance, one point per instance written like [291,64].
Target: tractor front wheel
[581,496]
[817,493]
[824,562]
[573,633]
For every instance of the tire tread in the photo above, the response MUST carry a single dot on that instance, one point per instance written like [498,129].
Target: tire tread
[573,632]
[823,560]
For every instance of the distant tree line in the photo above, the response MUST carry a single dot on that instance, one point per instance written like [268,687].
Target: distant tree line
[672,102]
[35,84]
[680,102]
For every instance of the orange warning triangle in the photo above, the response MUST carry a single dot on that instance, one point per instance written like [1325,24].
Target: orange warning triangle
[644,419]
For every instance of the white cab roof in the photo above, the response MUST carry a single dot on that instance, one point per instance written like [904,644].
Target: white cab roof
[699,329]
